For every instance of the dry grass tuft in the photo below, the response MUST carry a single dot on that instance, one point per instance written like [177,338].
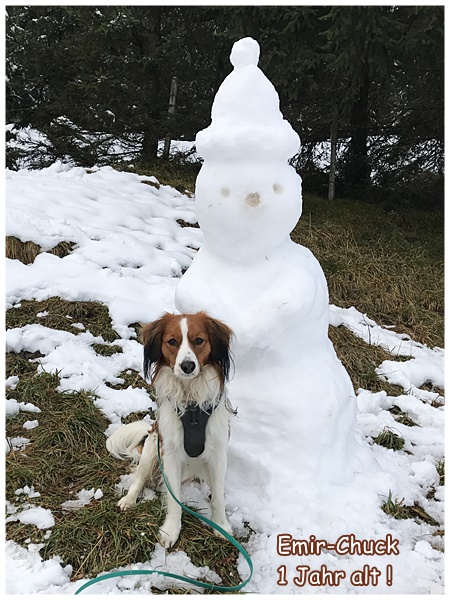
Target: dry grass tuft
[107,349]
[389,439]
[402,417]
[26,252]
[361,360]
[176,173]
[131,378]
[441,471]
[395,508]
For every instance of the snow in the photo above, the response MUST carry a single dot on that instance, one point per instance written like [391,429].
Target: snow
[30,492]
[42,518]
[285,472]
[16,443]
[11,382]
[130,239]
[84,498]
[13,407]
[27,573]
[426,365]
[246,119]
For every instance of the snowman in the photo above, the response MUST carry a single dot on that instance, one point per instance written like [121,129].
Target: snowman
[296,405]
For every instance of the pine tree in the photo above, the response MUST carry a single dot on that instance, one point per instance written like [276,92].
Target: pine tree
[89,77]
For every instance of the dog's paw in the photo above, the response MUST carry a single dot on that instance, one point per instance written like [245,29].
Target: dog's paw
[226,527]
[125,503]
[168,535]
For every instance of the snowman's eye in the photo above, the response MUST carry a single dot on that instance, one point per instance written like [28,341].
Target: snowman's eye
[277,188]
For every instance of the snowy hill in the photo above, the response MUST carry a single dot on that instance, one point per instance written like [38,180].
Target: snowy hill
[129,253]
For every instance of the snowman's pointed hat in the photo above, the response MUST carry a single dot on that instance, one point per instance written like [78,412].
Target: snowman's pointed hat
[246,118]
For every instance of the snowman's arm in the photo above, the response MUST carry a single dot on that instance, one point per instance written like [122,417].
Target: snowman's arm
[287,302]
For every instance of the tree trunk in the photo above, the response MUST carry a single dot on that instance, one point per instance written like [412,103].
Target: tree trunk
[172,100]
[332,176]
[149,150]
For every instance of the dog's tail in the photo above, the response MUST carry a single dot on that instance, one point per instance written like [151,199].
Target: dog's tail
[127,441]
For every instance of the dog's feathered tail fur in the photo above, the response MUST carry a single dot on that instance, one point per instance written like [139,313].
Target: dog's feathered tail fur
[127,441]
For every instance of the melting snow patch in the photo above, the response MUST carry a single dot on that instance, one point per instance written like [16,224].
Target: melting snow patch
[28,491]
[13,407]
[16,443]
[83,499]
[12,382]
[42,518]
[27,573]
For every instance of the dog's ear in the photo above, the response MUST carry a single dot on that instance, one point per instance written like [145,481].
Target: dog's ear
[151,337]
[220,336]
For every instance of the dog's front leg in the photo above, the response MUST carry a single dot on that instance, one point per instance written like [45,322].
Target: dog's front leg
[216,470]
[170,530]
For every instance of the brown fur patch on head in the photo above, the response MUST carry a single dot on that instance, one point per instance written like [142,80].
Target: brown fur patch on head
[220,336]
[153,335]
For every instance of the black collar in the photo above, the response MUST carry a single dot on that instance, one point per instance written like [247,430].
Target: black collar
[194,420]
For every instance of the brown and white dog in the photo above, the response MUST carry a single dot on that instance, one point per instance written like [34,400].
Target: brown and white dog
[187,357]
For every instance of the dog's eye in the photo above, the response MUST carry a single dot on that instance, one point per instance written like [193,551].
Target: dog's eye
[198,341]
[172,342]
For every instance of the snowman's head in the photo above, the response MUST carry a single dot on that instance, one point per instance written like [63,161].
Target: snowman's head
[246,209]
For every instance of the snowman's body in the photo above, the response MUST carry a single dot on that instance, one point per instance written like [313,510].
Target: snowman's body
[295,400]
[288,381]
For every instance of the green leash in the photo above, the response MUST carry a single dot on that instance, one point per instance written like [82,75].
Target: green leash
[208,586]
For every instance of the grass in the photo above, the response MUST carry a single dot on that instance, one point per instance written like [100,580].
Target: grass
[361,360]
[26,252]
[131,378]
[62,314]
[388,264]
[398,510]
[107,349]
[178,174]
[441,471]
[389,439]
[67,453]
[402,417]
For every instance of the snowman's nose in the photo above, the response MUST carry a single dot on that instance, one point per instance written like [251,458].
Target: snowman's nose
[253,199]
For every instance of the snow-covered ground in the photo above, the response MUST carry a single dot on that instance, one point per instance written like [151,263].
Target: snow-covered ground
[129,254]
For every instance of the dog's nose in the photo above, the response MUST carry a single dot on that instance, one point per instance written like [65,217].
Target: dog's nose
[187,366]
